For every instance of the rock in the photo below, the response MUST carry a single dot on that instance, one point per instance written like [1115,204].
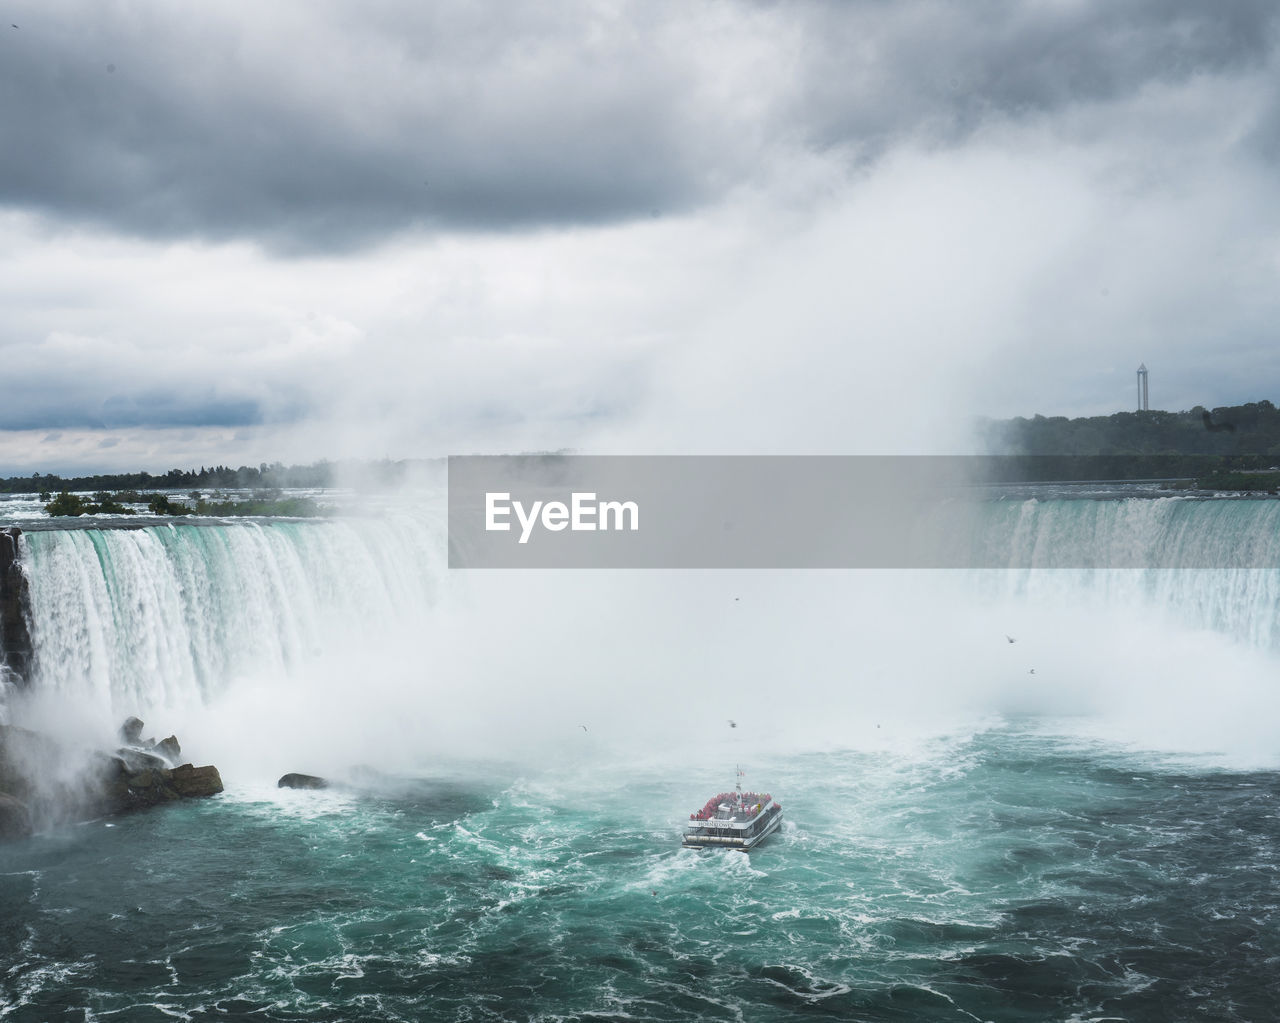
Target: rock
[15,639]
[195,782]
[169,749]
[15,818]
[109,786]
[10,775]
[140,760]
[144,779]
[57,784]
[131,731]
[28,759]
[128,790]
[301,781]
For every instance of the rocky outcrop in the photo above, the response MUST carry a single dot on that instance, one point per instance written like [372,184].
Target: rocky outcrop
[15,818]
[24,757]
[131,731]
[301,781]
[125,788]
[170,749]
[135,759]
[15,636]
[195,782]
[53,784]
[141,773]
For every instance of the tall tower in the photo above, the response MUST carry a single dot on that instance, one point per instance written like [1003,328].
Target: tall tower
[1143,404]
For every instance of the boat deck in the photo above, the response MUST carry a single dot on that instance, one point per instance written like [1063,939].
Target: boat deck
[735,820]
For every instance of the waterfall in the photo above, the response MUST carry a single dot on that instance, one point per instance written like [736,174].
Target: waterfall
[169,615]
[350,637]
[1229,551]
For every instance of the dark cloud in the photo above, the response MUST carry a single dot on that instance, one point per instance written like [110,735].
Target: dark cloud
[329,133]
[327,126]
[69,404]
[169,409]
[938,70]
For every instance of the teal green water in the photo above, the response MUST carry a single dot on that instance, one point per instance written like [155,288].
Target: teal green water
[1009,876]
[1005,875]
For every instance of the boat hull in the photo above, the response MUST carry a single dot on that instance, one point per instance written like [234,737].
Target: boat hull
[707,835]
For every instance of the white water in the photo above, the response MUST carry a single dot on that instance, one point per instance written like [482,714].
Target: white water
[313,645]
[165,621]
[1222,548]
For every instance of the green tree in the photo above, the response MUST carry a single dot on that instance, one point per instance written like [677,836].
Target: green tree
[66,504]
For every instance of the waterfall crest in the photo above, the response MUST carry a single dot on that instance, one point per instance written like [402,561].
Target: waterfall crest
[168,615]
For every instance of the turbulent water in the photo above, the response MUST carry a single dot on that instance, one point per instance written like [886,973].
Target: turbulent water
[1005,877]
[1019,868]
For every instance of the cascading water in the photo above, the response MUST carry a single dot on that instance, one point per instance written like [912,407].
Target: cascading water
[344,616]
[168,616]
[1227,554]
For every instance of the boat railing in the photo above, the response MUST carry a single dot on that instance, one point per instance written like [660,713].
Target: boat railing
[752,804]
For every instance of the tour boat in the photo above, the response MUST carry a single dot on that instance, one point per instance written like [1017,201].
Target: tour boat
[733,820]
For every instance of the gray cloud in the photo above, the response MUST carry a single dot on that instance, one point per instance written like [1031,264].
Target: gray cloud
[62,404]
[329,126]
[332,131]
[939,70]
[967,196]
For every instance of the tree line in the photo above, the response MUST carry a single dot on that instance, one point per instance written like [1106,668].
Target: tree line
[126,502]
[1197,443]
[274,476]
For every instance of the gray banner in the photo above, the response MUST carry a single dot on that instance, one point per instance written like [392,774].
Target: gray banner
[560,511]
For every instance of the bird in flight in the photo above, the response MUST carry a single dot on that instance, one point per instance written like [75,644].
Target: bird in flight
[583,727]
[732,723]
[1010,639]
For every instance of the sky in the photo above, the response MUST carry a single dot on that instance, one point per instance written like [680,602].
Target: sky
[239,232]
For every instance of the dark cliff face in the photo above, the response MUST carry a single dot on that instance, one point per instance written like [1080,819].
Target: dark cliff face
[15,634]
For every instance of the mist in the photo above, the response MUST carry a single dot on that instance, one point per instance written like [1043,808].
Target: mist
[805,229]
[521,672]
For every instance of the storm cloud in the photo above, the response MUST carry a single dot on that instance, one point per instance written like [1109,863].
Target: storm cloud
[939,71]
[321,125]
[327,126]
[241,232]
